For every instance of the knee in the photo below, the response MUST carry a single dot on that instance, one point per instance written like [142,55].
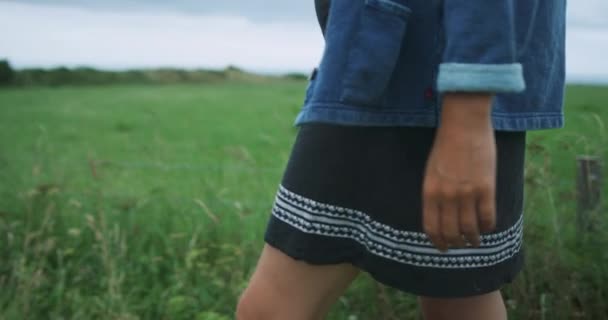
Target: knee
[251,308]
[487,306]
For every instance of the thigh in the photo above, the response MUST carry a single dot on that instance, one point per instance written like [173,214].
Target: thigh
[284,288]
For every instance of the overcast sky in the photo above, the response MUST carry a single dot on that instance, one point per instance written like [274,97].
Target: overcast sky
[260,35]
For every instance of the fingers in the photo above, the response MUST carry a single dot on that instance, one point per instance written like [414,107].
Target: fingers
[450,225]
[468,221]
[486,210]
[431,221]
[453,219]
[456,215]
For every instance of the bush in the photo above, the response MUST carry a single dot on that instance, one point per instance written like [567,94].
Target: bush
[89,76]
[7,74]
[296,76]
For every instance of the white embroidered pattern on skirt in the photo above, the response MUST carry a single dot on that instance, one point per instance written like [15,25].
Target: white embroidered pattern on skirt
[408,247]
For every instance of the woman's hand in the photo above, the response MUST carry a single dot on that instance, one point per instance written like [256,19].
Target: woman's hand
[460,178]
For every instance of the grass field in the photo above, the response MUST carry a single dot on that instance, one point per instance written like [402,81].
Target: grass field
[149,202]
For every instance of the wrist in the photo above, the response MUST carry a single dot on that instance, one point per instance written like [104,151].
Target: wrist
[466,110]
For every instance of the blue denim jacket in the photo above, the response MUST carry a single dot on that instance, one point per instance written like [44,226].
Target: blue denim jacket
[387,62]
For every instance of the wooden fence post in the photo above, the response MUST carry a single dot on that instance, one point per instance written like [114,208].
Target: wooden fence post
[588,193]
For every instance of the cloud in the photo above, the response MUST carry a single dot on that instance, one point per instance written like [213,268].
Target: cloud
[256,10]
[587,40]
[586,53]
[581,13]
[48,35]
[588,14]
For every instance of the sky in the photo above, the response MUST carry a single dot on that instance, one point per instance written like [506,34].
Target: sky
[271,36]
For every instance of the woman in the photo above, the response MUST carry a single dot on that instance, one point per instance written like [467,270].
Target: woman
[409,159]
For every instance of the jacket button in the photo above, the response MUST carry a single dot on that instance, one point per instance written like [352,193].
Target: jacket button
[429,93]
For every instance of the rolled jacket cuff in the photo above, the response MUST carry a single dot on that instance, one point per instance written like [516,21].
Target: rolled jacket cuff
[471,77]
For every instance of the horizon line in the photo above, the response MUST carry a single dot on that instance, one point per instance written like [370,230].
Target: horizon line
[571,78]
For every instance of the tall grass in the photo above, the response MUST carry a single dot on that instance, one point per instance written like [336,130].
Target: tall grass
[147,202]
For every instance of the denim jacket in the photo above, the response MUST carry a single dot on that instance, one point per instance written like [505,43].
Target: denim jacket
[387,62]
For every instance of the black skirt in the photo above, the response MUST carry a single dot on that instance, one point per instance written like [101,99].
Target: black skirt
[353,195]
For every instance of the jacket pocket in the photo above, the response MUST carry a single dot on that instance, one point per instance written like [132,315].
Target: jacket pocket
[375,51]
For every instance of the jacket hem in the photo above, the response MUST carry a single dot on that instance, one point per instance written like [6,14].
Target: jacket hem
[342,115]
[528,123]
[362,117]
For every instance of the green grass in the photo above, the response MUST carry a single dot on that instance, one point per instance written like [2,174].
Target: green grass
[149,202]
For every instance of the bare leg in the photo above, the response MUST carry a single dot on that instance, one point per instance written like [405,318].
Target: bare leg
[283,288]
[484,307]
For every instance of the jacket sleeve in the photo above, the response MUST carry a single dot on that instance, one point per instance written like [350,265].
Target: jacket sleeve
[480,52]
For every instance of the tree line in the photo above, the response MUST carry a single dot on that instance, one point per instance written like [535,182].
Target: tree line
[91,76]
